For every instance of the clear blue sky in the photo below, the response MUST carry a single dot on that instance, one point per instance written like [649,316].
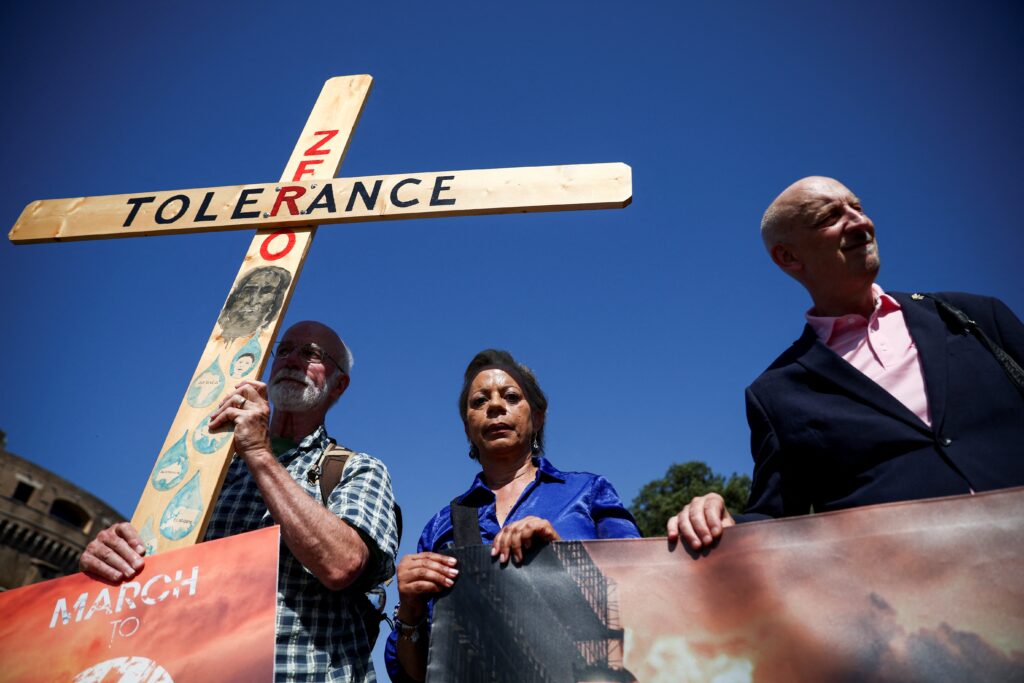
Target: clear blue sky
[643,325]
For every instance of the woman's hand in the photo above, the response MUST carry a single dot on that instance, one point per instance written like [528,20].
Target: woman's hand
[516,537]
[419,576]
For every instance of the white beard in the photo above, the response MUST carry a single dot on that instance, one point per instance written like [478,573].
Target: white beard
[292,398]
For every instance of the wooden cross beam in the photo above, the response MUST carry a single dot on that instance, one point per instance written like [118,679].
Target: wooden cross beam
[178,499]
[341,200]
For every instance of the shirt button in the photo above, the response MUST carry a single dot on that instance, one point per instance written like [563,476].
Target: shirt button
[945,441]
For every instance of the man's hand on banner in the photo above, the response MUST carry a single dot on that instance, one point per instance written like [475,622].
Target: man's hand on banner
[115,555]
[701,521]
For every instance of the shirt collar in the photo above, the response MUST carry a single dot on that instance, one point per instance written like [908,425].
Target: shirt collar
[825,326]
[317,441]
[480,491]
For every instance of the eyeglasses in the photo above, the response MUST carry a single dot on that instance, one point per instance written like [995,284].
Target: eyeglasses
[310,353]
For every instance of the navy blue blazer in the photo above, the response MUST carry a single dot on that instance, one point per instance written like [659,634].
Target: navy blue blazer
[824,435]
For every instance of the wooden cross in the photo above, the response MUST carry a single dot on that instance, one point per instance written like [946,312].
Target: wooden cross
[176,504]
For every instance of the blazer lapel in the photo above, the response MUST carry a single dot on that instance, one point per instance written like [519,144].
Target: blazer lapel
[929,333]
[826,363]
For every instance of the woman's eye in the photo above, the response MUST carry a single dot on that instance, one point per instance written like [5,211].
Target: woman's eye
[477,401]
[513,397]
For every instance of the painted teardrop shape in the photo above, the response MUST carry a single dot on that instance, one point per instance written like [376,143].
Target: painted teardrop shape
[182,514]
[148,536]
[172,466]
[207,442]
[246,360]
[207,386]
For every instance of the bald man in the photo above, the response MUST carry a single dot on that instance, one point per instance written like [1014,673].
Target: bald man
[882,399]
[332,553]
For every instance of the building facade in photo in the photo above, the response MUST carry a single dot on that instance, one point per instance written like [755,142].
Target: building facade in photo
[45,521]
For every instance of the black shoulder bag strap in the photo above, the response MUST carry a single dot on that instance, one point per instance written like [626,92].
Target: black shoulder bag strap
[961,323]
[465,524]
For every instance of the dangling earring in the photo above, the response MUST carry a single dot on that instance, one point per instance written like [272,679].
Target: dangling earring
[474,454]
[536,446]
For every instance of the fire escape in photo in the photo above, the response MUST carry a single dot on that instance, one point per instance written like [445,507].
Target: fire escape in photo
[552,620]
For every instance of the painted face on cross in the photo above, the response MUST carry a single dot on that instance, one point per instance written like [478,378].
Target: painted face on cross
[242,365]
[255,300]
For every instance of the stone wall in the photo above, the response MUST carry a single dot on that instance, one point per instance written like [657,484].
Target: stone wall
[45,522]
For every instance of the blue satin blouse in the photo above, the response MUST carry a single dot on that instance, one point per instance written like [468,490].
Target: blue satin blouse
[580,506]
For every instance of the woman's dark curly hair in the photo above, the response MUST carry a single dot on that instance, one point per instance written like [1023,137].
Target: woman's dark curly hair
[502,360]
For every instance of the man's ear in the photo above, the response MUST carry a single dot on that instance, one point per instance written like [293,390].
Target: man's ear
[785,259]
[340,387]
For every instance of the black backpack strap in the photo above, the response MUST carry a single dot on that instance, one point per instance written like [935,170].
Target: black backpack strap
[961,323]
[398,521]
[465,524]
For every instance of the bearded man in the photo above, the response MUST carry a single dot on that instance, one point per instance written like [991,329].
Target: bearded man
[330,554]
[885,397]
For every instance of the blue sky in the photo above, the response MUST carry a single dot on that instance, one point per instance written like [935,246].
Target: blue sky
[643,324]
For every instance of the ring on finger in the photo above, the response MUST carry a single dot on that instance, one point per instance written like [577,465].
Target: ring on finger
[241,402]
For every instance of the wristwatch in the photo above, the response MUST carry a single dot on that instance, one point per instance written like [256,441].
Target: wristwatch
[410,631]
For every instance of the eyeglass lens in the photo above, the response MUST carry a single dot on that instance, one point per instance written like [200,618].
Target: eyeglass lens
[307,352]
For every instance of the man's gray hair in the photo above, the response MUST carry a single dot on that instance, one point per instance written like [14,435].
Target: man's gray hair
[773,226]
[347,360]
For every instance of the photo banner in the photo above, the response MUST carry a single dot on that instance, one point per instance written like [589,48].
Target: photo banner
[202,614]
[922,591]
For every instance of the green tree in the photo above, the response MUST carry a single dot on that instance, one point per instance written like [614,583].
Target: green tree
[662,498]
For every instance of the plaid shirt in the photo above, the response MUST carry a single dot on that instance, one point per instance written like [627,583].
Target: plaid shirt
[322,635]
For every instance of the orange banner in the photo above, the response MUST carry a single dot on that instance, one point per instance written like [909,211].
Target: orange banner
[200,614]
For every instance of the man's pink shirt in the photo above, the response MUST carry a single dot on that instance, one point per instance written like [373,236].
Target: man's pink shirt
[881,348]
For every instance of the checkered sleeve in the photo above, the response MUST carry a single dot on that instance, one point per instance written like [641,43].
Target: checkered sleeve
[364,499]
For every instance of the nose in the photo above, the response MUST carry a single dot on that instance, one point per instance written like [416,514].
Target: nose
[857,218]
[495,405]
